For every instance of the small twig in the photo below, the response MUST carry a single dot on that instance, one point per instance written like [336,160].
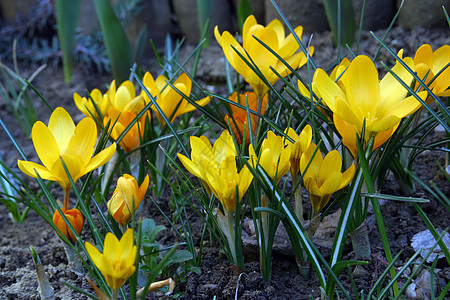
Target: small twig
[157,285]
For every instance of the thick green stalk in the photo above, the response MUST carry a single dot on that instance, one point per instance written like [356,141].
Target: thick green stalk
[116,41]
[67,19]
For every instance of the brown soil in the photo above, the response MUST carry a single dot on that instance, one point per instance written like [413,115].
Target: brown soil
[218,278]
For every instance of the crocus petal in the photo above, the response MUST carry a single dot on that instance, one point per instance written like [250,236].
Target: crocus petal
[83,141]
[30,168]
[45,144]
[424,55]
[62,127]
[347,176]
[328,89]
[229,49]
[391,90]
[248,23]
[331,183]
[364,93]
[101,158]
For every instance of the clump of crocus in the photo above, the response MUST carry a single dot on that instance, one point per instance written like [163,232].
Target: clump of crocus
[216,167]
[298,147]
[75,218]
[63,141]
[239,118]
[259,56]
[274,159]
[171,102]
[361,98]
[323,177]
[117,262]
[127,197]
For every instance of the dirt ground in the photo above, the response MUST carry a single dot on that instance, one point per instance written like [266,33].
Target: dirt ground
[218,278]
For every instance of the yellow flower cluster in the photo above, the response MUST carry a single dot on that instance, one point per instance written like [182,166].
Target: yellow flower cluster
[120,107]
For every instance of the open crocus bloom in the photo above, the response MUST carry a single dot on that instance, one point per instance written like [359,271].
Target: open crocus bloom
[298,147]
[273,158]
[360,97]
[87,107]
[323,176]
[169,99]
[239,121]
[224,180]
[117,260]
[61,140]
[429,64]
[127,196]
[202,153]
[252,50]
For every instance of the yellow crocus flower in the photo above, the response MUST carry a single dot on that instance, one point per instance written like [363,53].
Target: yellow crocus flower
[323,176]
[75,145]
[429,64]
[361,97]
[274,158]
[224,180]
[117,260]
[128,194]
[167,98]
[273,36]
[86,105]
[301,143]
[202,152]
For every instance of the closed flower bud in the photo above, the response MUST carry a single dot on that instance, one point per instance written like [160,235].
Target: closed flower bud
[75,218]
[127,196]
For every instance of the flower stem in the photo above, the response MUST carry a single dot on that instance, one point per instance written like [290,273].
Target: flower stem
[231,238]
[66,199]
[298,199]
[73,261]
[114,294]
